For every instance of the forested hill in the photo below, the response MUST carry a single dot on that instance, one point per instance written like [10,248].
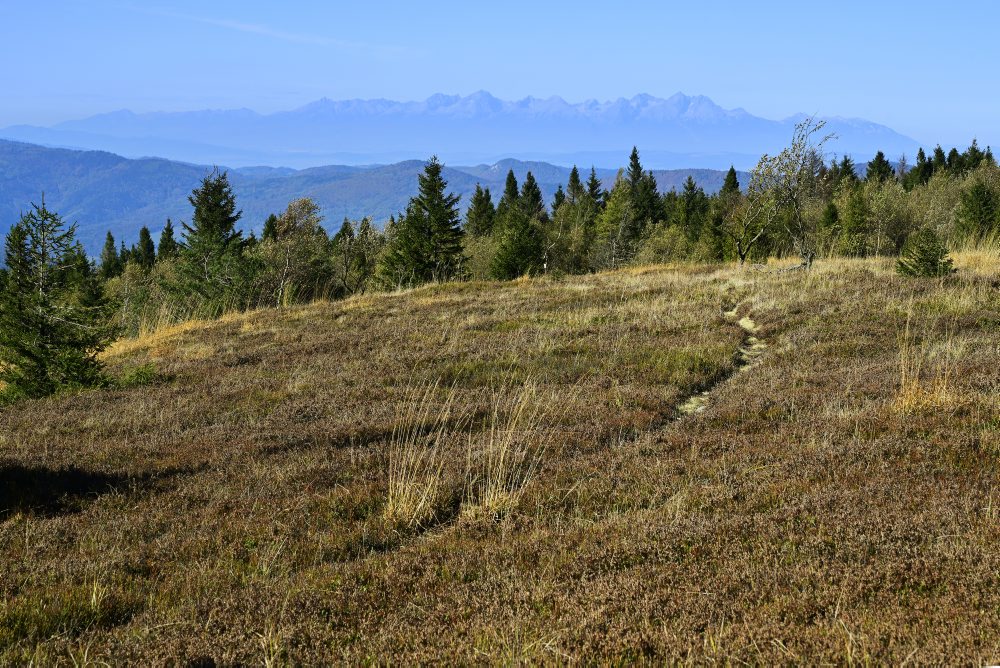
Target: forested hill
[102,191]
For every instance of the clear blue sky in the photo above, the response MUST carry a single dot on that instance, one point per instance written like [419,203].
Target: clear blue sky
[923,68]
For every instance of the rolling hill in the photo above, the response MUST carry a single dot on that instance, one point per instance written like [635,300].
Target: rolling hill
[101,191]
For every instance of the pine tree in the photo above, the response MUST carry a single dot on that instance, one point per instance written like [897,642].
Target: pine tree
[145,252]
[167,248]
[480,217]
[558,198]
[270,232]
[111,264]
[54,319]
[574,188]
[879,169]
[924,255]
[428,240]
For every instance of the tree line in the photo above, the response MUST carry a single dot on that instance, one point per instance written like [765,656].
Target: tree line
[59,309]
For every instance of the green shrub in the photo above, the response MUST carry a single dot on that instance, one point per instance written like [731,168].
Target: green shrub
[924,255]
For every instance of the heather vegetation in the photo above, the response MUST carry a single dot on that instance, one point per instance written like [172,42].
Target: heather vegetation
[795,204]
[760,426]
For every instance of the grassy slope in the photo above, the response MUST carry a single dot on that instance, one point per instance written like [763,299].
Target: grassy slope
[236,510]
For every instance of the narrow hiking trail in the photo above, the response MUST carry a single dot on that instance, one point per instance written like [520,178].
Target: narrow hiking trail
[747,356]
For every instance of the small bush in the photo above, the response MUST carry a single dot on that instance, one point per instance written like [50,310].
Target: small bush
[924,255]
[144,374]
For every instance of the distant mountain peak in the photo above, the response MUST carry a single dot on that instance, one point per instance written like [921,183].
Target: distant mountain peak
[681,130]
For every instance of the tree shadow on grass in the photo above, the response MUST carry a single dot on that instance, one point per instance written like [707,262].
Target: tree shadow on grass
[48,492]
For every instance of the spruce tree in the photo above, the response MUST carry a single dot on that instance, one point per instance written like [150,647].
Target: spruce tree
[924,255]
[54,319]
[519,251]
[574,189]
[646,204]
[211,255]
[940,162]
[532,203]
[879,169]
[731,185]
[558,199]
[145,252]
[428,240]
[846,172]
[111,264]
[270,232]
[694,208]
[167,248]
[978,214]
[594,189]
[481,214]
[510,202]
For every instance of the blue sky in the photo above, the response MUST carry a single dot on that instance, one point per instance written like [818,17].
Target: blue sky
[924,70]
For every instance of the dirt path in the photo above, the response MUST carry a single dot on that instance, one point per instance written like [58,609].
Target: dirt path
[747,356]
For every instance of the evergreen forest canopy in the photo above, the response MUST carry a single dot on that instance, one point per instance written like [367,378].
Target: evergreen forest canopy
[58,309]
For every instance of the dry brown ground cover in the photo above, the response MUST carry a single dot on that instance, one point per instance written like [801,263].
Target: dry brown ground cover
[836,501]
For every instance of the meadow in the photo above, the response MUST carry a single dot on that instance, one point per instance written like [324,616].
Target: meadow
[683,463]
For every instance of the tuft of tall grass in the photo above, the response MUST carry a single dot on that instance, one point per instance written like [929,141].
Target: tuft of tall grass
[500,468]
[417,459]
[926,372]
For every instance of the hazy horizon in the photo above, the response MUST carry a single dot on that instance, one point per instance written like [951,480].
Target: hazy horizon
[898,67]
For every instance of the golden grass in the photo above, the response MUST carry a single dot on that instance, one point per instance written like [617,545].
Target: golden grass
[321,485]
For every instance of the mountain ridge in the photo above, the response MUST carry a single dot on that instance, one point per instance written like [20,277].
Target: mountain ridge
[102,191]
[680,131]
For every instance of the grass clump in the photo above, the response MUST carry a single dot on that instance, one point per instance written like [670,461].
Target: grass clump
[504,462]
[417,460]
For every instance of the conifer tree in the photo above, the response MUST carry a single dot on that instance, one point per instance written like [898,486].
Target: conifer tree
[145,252]
[111,264]
[167,248]
[731,185]
[574,189]
[510,202]
[594,189]
[558,198]
[428,240]
[924,255]
[532,204]
[879,169]
[940,162]
[53,314]
[846,171]
[480,217]
[270,232]
[978,214]
[211,253]
[646,204]
[955,164]
[519,251]
[693,209]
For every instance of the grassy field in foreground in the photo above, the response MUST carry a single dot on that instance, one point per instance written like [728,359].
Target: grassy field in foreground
[484,472]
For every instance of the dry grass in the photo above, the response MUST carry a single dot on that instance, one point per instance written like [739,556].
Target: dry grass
[283,495]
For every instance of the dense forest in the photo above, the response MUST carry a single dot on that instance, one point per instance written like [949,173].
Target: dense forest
[58,308]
